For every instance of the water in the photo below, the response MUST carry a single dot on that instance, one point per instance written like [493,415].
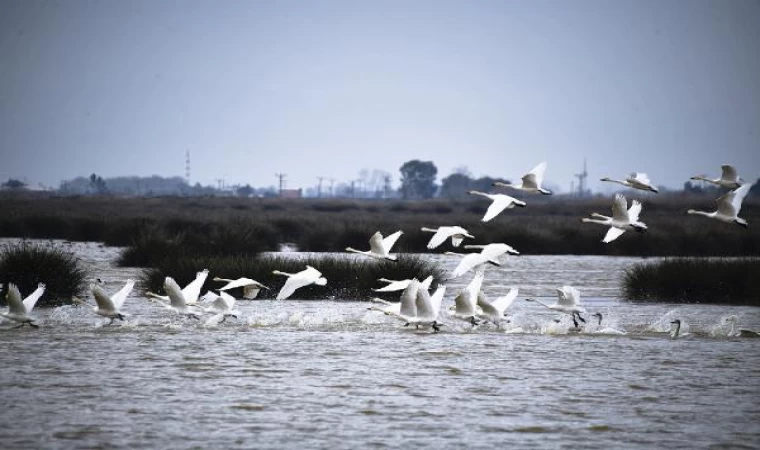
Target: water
[330,374]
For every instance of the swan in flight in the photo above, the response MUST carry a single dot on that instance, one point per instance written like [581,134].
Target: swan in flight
[190,293]
[568,301]
[456,233]
[379,247]
[466,301]
[494,311]
[177,301]
[729,206]
[499,202]
[493,262]
[110,307]
[428,308]
[250,287]
[531,181]
[400,285]
[728,178]
[621,219]
[19,310]
[303,278]
[406,309]
[222,307]
[635,180]
[487,254]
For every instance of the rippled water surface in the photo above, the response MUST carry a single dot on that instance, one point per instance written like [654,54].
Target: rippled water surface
[330,374]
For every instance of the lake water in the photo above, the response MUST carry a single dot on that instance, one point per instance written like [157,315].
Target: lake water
[332,375]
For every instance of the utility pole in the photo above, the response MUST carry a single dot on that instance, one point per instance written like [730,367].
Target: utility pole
[386,186]
[187,167]
[219,183]
[582,180]
[281,177]
[319,187]
[332,182]
[352,189]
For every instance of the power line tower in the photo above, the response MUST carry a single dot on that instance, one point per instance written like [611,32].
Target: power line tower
[332,182]
[281,177]
[386,186]
[319,187]
[187,167]
[582,180]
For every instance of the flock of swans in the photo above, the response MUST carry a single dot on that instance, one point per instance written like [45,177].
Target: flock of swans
[417,306]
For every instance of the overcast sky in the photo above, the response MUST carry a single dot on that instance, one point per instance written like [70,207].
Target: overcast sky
[327,88]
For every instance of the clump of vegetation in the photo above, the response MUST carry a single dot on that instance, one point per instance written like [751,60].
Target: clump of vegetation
[347,278]
[695,280]
[26,265]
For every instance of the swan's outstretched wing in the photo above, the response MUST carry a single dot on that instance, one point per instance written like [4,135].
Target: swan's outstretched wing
[467,298]
[376,243]
[101,298]
[425,284]
[436,300]
[13,297]
[290,286]
[640,178]
[612,234]
[389,241]
[193,290]
[499,204]
[502,303]
[228,300]
[634,211]
[310,274]
[394,285]
[118,298]
[408,305]
[251,291]
[425,308]
[240,282]
[31,300]
[731,204]
[176,297]
[467,263]
[534,178]
[619,209]
[568,296]
[440,237]
[728,173]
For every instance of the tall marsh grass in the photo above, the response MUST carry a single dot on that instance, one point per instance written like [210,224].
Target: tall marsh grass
[695,280]
[27,264]
[347,277]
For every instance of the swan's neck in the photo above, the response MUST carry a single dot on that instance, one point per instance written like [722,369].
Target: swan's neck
[624,183]
[542,303]
[602,222]
[675,332]
[483,194]
[429,230]
[353,250]
[278,272]
[700,213]
[222,279]
[700,178]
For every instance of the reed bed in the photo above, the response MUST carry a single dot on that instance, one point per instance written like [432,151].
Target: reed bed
[695,280]
[28,264]
[546,226]
[347,277]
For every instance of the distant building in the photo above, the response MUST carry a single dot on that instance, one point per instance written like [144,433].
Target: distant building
[291,193]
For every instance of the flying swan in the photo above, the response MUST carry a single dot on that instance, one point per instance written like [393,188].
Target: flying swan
[379,247]
[621,219]
[530,182]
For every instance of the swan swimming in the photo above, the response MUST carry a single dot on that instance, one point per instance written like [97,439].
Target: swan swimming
[530,182]
[19,310]
[729,206]
[190,293]
[568,301]
[635,180]
[456,233]
[250,287]
[728,178]
[379,247]
[494,311]
[488,253]
[499,202]
[621,219]
[110,307]
[298,280]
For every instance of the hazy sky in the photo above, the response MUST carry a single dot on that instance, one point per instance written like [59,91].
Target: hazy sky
[327,88]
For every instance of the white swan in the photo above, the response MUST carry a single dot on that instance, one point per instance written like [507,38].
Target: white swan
[568,302]
[379,247]
[428,308]
[400,285]
[487,254]
[728,178]
[494,311]
[190,293]
[19,310]
[493,262]
[222,307]
[177,301]
[406,309]
[729,206]
[456,233]
[621,219]
[635,180]
[499,202]
[110,307]
[530,182]
[250,287]
[466,301]
[303,278]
